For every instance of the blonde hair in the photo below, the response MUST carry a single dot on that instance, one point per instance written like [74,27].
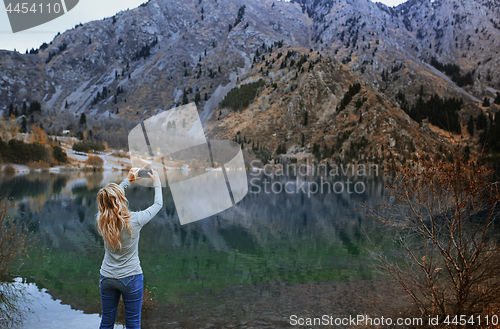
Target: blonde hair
[114,215]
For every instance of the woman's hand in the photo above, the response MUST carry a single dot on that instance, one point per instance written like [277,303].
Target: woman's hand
[154,177]
[132,174]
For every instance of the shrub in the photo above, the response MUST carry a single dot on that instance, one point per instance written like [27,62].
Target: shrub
[59,154]
[86,146]
[94,161]
[9,170]
[17,151]
[445,212]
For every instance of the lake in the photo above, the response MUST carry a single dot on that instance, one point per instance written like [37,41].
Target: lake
[277,252]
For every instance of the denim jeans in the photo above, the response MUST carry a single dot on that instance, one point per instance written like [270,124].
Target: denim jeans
[131,290]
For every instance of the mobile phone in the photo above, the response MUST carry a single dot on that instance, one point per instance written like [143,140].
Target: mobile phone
[144,173]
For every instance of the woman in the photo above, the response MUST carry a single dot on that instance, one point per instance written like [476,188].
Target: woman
[121,272]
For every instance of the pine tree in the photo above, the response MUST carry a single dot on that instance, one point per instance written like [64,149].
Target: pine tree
[384,75]
[66,104]
[24,125]
[481,121]
[497,99]
[83,119]
[470,126]
[486,102]
[185,99]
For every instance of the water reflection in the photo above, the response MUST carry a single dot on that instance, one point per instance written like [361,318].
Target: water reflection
[35,308]
[13,303]
[267,237]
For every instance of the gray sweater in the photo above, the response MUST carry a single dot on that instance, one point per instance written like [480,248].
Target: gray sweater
[125,262]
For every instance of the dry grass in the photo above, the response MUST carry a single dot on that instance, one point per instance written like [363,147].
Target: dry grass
[9,170]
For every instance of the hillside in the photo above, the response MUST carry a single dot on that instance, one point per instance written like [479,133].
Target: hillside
[297,112]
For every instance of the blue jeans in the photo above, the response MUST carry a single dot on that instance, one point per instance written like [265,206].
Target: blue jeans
[131,290]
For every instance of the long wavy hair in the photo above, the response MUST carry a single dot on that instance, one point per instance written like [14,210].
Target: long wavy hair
[114,216]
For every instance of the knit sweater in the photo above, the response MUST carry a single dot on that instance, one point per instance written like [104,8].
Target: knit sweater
[125,262]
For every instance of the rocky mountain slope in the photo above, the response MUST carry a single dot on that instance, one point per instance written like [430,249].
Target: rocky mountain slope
[297,112]
[164,53]
[371,38]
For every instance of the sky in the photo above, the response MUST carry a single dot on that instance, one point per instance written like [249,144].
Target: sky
[85,11]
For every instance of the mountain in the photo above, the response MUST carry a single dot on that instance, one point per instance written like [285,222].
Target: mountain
[164,53]
[299,110]
[403,40]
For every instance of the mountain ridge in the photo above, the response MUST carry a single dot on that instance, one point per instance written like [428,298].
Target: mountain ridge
[138,62]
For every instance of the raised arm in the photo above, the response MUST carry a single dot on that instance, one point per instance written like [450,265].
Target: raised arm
[145,216]
[124,184]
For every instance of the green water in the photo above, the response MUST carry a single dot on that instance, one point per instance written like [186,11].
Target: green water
[267,237]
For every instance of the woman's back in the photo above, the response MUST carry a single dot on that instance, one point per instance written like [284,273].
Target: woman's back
[120,263]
